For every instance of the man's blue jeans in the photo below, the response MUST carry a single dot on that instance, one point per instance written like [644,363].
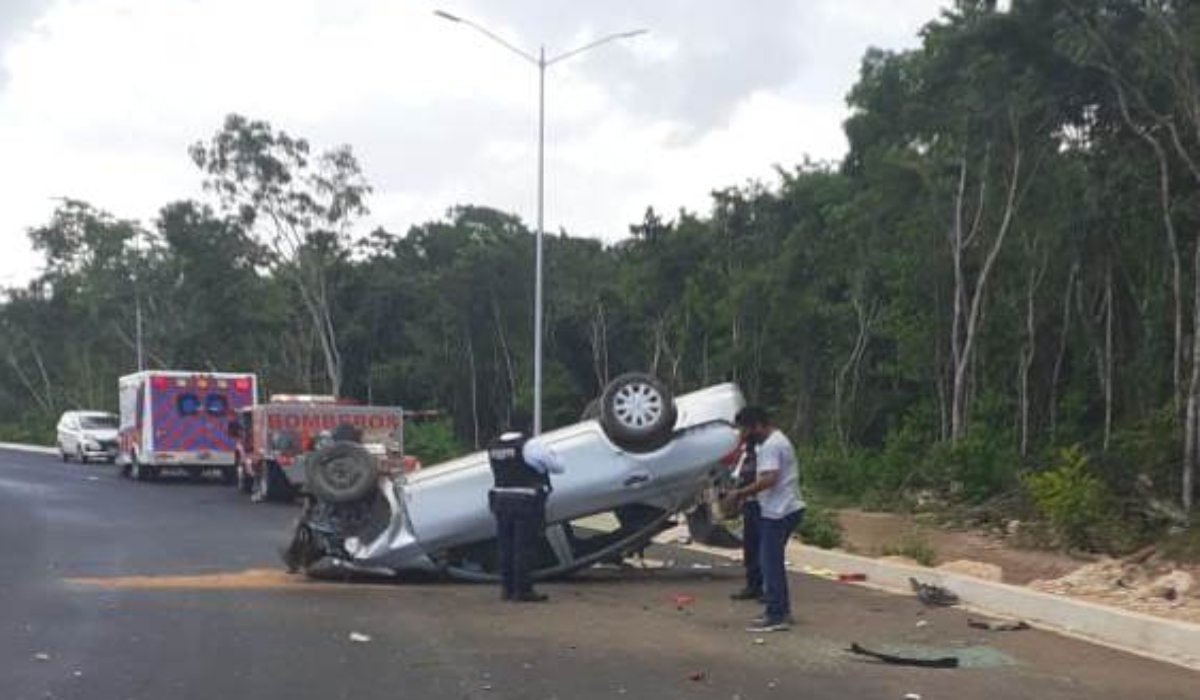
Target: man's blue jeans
[774,534]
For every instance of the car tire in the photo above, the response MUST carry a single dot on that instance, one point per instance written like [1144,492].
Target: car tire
[271,486]
[342,472]
[637,412]
[63,453]
[80,455]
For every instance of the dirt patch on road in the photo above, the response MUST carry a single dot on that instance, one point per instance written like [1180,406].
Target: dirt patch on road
[245,580]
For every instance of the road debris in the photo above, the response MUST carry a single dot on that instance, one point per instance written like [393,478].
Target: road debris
[851,578]
[922,623]
[42,656]
[682,600]
[912,696]
[930,594]
[360,638]
[698,676]
[998,625]
[822,573]
[898,660]
[760,641]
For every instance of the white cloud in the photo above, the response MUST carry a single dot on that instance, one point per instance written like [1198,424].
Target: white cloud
[104,96]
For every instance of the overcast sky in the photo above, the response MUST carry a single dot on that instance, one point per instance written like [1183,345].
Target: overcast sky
[99,99]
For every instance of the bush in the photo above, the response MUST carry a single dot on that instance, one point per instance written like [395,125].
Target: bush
[820,527]
[1074,501]
[1183,546]
[431,441]
[973,469]
[838,471]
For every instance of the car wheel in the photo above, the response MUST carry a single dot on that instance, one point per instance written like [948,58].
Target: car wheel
[63,453]
[343,472]
[79,455]
[637,412]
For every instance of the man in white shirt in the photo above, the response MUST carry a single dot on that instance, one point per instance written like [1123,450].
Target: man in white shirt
[777,490]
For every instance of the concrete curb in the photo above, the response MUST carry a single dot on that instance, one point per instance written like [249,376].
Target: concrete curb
[1157,638]
[1146,635]
[36,449]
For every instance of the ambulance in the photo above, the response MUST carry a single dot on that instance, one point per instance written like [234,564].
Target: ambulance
[181,420]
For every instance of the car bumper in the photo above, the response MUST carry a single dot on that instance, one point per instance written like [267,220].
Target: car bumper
[109,453]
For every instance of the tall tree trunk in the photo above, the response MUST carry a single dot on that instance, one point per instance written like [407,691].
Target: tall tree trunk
[970,298]
[1164,205]
[474,391]
[1191,427]
[1108,356]
[1064,335]
[843,397]
[1028,352]
[510,373]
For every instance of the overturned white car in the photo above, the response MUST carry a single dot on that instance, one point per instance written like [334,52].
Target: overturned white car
[643,457]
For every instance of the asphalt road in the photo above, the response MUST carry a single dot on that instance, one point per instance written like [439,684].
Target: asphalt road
[113,590]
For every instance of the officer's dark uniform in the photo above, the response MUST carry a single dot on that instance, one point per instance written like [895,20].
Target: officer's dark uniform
[518,500]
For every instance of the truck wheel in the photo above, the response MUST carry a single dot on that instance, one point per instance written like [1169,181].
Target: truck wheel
[270,485]
[637,412]
[142,472]
[245,481]
[343,472]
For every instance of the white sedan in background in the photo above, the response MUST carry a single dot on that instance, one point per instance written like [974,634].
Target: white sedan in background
[643,457]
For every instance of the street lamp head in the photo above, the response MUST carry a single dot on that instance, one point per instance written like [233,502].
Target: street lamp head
[447,16]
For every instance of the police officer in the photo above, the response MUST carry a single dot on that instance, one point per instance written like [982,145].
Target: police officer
[746,474]
[521,471]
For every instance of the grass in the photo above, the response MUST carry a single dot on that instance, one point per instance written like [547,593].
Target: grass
[913,546]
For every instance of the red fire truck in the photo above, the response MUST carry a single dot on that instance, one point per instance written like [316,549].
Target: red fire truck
[179,419]
[276,437]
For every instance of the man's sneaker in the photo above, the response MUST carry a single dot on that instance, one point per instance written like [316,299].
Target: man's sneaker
[746,594]
[769,626]
[762,620]
[530,597]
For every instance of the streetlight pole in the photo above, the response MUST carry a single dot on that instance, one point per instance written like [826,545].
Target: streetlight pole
[542,63]
[137,298]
